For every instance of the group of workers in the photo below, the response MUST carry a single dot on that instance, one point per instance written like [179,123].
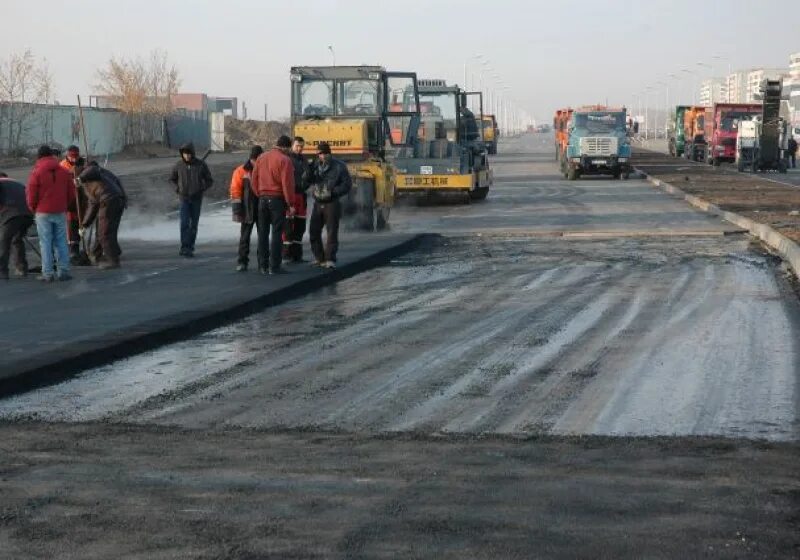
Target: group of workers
[269,192]
[63,199]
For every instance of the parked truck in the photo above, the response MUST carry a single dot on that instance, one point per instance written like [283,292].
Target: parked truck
[694,147]
[677,138]
[762,141]
[597,143]
[721,126]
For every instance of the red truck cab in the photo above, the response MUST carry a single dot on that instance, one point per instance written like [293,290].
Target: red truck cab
[722,128]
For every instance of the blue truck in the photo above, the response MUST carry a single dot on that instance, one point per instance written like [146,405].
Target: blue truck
[597,143]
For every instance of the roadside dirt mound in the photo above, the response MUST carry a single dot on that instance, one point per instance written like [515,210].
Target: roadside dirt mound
[241,135]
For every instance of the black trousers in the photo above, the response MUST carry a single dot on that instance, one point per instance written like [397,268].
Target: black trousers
[328,215]
[271,221]
[12,235]
[245,233]
[794,160]
[293,238]
[106,244]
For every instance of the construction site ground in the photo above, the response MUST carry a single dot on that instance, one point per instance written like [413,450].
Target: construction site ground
[570,369]
[768,198]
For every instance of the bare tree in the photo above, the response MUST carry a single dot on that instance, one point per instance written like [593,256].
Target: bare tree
[140,88]
[24,82]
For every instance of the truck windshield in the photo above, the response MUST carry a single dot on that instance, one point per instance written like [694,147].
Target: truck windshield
[600,123]
[729,121]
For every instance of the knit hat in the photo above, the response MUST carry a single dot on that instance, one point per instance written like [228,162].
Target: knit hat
[323,148]
[44,151]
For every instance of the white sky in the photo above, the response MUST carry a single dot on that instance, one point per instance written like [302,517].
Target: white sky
[551,53]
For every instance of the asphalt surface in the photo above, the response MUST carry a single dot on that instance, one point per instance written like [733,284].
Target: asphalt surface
[453,403]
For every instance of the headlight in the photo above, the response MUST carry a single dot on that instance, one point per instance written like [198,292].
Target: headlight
[575,159]
[296,77]
[623,159]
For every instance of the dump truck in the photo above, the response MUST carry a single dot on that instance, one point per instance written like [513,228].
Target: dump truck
[721,128]
[762,142]
[677,139]
[597,143]
[449,155]
[561,125]
[490,133]
[694,147]
[366,114]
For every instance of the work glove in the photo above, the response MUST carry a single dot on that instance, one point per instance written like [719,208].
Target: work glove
[291,211]
[238,212]
[81,231]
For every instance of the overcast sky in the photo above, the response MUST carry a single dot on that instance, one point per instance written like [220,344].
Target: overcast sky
[551,53]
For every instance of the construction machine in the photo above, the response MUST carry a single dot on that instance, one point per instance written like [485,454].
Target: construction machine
[597,143]
[762,141]
[449,155]
[365,114]
[490,133]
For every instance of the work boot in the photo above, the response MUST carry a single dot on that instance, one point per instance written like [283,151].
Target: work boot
[45,278]
[274,271]
[263,270]
[21,272]
[64,277]
[330,265]
[241,267]
[315,262]
[108,265]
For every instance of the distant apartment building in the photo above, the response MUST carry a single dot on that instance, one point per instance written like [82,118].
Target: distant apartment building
[713,91]
[736,86]
[758,75]
[791,84]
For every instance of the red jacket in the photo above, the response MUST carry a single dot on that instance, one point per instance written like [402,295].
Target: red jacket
[50,188]
[273,175]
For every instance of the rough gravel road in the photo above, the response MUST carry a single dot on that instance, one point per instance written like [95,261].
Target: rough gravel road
[453,404]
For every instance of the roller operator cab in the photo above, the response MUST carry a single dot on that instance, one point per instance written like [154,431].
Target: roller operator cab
[597,143]
[449,154]
[490,133]
[366,115]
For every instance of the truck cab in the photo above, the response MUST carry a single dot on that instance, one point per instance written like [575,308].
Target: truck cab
[677,138]
[722,125]
[597,143]
[449,154]
[366,114]
[695,147]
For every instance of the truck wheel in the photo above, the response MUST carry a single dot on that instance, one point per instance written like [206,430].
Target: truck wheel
[626,175]
[616,174]
[781,166]
[740,166]
[573,174]
[715,162]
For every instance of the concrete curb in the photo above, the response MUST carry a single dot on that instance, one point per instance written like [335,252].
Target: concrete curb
[68,360]
[785,247]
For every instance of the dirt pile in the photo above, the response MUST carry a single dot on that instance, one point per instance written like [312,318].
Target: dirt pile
[240,135]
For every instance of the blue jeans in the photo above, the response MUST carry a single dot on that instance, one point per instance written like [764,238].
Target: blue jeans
[190,217]
[52,230]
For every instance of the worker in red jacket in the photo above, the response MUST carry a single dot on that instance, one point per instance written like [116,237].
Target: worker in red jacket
[272,181]
[49,192]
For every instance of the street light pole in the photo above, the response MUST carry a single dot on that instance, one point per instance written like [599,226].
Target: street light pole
[333,54]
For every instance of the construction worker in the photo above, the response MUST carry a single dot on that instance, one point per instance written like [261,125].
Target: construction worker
[74,163]
[106,202]
[330,180]
[191,179]
[469,126]
[296,225]
[49,192]
[272,181]
[244,203]
[793,152]
[15,219]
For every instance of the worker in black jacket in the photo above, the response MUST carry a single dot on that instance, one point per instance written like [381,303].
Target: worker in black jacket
[107,201]
[15,219]
[330,181]
[296,223]
[191,179]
